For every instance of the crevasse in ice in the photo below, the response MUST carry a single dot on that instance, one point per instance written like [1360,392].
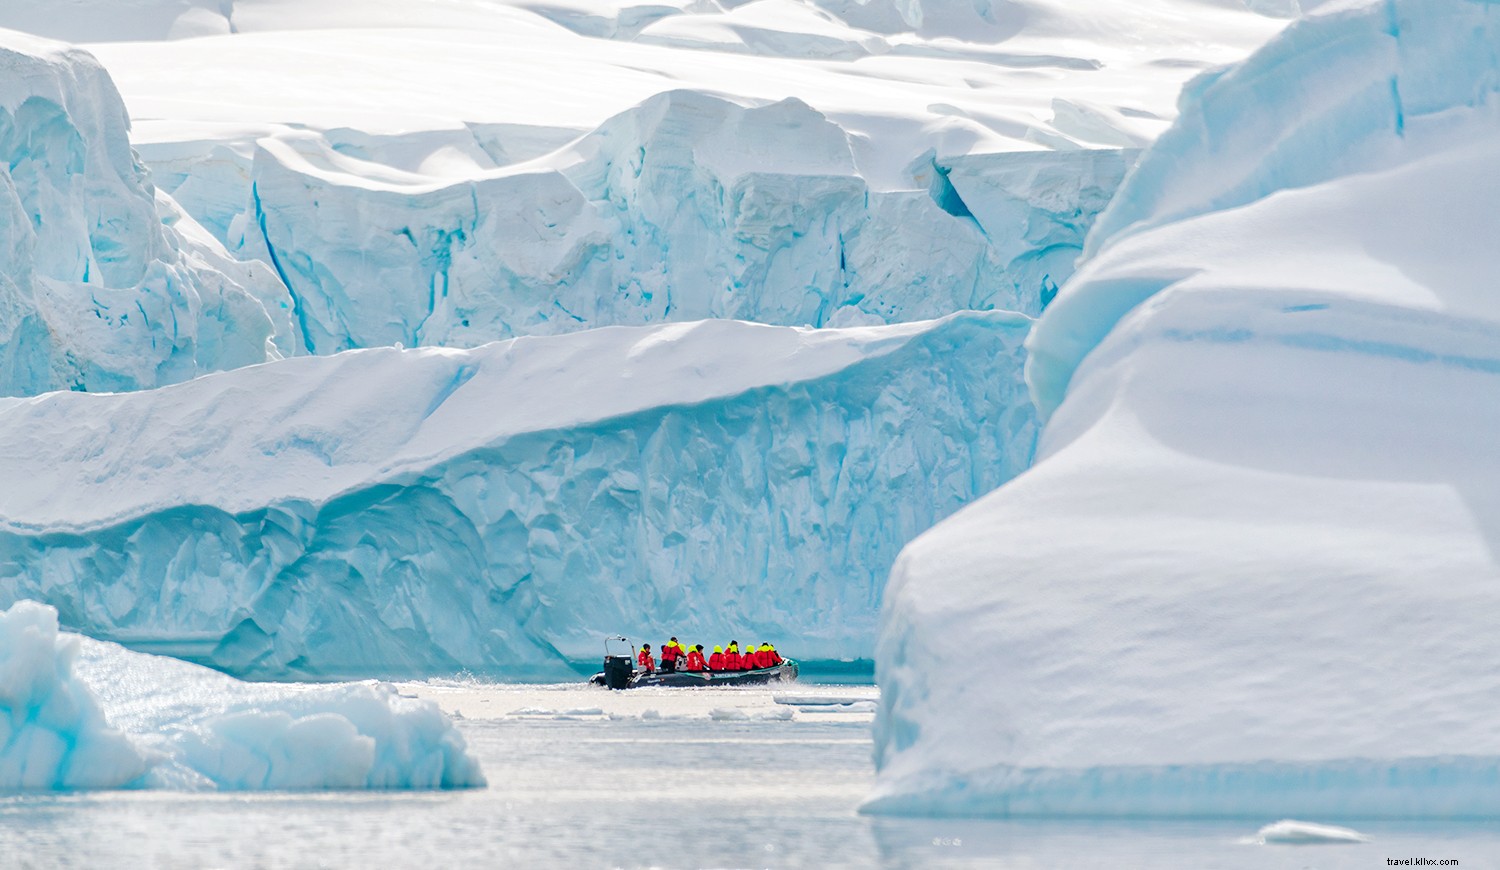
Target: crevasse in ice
[503,508]
[1253,568]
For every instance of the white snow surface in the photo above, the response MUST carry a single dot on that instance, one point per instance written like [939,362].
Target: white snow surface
[79,714]
[101,286]
[406,511]
[1253,570]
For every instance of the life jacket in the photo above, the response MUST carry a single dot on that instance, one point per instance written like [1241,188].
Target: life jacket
[646,662]
[716,662]
[695,661]
[731,661]
[775,656]
[669,653]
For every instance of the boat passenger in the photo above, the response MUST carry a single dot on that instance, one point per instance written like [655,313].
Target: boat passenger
[716,661]
[732,656]
[775,657]
[644,659]
[762,660]
[669,654]
[695,661]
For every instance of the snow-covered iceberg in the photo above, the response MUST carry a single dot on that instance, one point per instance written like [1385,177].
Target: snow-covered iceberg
[79,714]
[1254,568]
[503,508]
[99,290]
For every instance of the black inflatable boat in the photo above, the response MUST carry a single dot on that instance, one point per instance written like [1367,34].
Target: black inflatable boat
[620,673]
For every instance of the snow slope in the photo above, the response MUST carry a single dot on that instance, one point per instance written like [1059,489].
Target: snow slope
[1254,568]
[101,286]
[80,714]
[390,511]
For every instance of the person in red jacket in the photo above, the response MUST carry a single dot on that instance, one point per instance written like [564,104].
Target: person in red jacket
[732,656]
[644,659]
[773,656]
[695,661]
[669,656]
[716,661]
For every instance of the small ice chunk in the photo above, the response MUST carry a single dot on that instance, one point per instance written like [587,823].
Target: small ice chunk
[584,711]
[1295,833]
[782,715]
[851,707]
[728,714]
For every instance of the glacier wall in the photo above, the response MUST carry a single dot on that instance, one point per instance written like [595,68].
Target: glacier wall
[79,714]
[1253,568]
[96,291]
[687,207]
[503,508]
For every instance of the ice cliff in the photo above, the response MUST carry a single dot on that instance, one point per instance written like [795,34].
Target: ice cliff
[1254,568]
[687,207]
[503,508]
[98,290]
[79,714]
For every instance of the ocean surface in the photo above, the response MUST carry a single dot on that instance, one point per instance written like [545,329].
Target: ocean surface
[580,777]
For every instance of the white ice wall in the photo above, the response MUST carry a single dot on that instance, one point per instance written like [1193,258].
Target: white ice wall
[503,508]
[95,291]
[1253,570]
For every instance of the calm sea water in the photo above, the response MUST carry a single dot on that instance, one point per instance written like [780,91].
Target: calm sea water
[634,793]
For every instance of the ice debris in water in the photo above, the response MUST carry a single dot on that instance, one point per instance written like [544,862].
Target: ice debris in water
[53,734]
[79,714]
[1293,832]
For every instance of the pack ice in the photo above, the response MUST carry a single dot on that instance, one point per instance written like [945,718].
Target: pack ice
[503,508]
[77,714]
[102,287]
[1253,570]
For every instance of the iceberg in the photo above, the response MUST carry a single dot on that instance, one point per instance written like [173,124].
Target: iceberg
[1252,571]
[102,287]
[392,511]
[79,714]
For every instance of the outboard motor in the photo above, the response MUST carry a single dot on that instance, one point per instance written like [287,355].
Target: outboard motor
[618,669]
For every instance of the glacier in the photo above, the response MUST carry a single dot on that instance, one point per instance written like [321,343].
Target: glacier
[674,210]
[626,165]
[503,508]
[79,714]
[103,286]
[1253,569]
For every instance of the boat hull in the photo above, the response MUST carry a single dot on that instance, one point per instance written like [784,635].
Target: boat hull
[783,673]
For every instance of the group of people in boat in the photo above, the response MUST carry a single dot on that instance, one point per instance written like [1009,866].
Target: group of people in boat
[677,657]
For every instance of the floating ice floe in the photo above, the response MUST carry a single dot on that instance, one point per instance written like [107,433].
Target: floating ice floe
[80,714]
[1294,833]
